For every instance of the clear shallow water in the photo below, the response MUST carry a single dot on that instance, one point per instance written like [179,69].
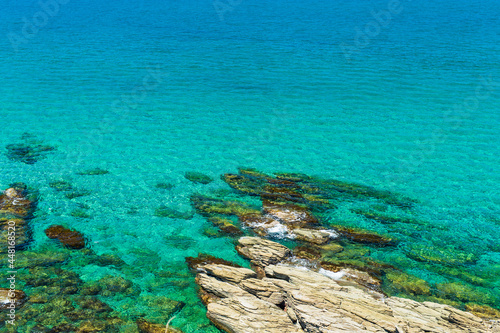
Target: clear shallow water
[268,87]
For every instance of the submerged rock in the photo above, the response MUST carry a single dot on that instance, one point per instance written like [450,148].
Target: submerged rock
[61,185]
[209,206]
[245,184]
[408,283]
[80,213]
[445,256]
[146,327]
[365,237]
[69,238]
[76,193]
[165,186]
[112,285]
[225,225]
[28,151]
[198,177]
[93,172]
[180,242]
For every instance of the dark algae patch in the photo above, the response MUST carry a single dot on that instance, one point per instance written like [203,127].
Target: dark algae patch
[93,172]
[198,177]
[28,150]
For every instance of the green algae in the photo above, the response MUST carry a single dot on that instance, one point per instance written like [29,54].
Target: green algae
[225,225]
[483,311]
[443,255]
[112,285]
[164,211]
[407,283]
[386,219]
[212,232]
[30,259]
[180,242]
[365,236]
[460,291]
[208,206]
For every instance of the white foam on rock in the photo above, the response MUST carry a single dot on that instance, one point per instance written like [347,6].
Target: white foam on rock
[333,234]
[332,275]
[278,231]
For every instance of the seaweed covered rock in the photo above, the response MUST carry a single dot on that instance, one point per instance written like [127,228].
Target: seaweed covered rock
[29,150]
[209,206]
[15,202]
[69,190]
[164,211]
[204,259]
[61,185]
[365,236]
[444,256]
[225,225]
[145,326]
[69,238]
[111,285]
[407,283]
[245,183]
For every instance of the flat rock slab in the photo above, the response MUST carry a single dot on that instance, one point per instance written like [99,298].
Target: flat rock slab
[249,314]
[262,251]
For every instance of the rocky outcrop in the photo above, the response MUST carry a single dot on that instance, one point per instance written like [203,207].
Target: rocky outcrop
[15,214]
[9,297]
[249,314]
[298,299]
[318,237]
[261,251]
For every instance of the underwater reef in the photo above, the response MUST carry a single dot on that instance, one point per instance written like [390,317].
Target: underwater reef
[316,255]
[49,295]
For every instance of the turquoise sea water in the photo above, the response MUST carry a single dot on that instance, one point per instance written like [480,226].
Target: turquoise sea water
[152,89]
